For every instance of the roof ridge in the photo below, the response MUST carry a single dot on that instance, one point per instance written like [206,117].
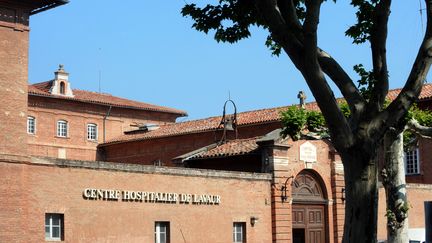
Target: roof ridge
[44,82]
[95,92]
[102,98]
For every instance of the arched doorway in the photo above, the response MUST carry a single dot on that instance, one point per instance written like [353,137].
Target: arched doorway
[308,209]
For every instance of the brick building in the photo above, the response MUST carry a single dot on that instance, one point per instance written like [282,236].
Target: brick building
[196,144]
[69,123]
[46,199]
[55,187]
[166,142]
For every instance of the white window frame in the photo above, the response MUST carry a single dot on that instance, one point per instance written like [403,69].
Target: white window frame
[49,226]
[162,232]
[92,132]
[412,158]
[239,232]
[62,131]
[31,128]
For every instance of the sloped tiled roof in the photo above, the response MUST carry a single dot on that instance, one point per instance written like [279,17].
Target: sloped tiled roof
[42,89]
[207,124]
[230,148]
[243,118]
[426,92]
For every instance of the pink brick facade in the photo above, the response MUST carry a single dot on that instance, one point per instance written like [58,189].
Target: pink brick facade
[417,194]
[286,166]
[50,186]
[167,148]
[47,111]
[14,41]
[31,186]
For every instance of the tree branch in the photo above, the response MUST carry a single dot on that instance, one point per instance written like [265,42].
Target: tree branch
[280,30]
[310,28]
[288,12]
[314,76]
[304,55]
[345,84]
[410,92]
[378,40]
[415,126]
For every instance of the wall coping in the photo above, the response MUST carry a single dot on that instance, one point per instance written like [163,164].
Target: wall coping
[419,186]
[148,169]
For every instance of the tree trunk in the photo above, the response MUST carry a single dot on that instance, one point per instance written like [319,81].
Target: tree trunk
[361,193]
[393,178]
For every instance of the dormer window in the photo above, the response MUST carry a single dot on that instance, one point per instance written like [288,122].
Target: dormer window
[62,88]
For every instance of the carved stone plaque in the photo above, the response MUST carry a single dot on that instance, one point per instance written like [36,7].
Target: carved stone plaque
[308,152]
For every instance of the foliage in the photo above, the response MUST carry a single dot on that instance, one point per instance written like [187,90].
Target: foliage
[296,119]
[240,14]
[396,218]
[361,31]
[345,109]
[424,118]
[366,81]
[315,121]
[231,20]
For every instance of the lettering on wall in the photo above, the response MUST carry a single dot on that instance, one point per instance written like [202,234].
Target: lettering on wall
[150,197]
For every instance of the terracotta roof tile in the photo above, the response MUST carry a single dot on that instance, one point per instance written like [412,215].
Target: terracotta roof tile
[244,118]
[230,148]
[426,92]
[207,124]
[42,89]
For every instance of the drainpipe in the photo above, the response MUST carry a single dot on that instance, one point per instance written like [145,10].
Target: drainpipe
[104,120]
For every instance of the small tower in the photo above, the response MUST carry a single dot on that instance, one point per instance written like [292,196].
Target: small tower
[61,85]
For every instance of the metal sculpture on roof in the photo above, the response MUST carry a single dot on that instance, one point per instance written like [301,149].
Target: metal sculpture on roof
[228,122]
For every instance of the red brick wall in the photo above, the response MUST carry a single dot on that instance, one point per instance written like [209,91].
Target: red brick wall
[287,164]
[425,153]
[165,149]
[48,111]
[13,79]
[59,189]
[247,163]
[13,201]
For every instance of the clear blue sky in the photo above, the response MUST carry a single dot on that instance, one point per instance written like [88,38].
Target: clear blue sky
[147,51]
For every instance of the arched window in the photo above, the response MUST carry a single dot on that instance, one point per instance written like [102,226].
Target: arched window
[62,88]
[62,128]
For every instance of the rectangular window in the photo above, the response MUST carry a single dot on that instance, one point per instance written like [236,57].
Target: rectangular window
[239,232]
[92,132]
[62,129]
[31,125]
[162,232]
[412,162]
[54,226]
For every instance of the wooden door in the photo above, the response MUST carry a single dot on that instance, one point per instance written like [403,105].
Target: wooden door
[308,223]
